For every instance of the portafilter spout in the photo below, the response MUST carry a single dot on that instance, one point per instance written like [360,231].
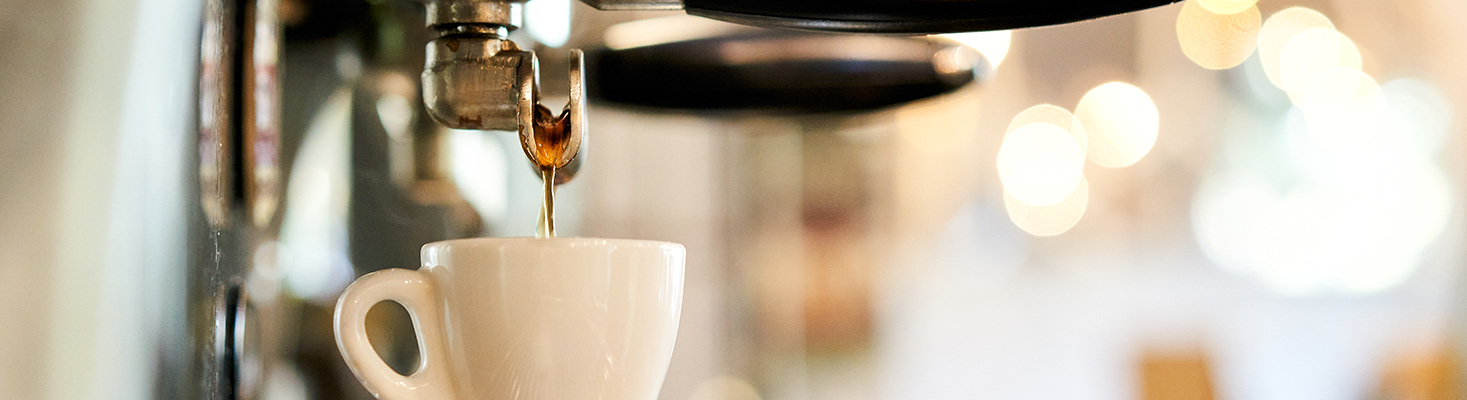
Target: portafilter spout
[474,77]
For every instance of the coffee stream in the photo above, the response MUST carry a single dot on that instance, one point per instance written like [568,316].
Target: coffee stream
[546,227]
[550,148]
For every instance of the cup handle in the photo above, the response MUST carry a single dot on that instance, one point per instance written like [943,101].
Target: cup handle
[415,291]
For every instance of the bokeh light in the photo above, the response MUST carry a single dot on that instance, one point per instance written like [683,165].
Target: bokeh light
[1053,115]
[549,21]
[1312,53]
[1339,87]
[1345,107]
[1338,208]
[1226,6]
[1276,32]
[1049,220]
[1421,110]
[1040,164]
[480,172]
[1217,41]
[1121,123]
[1309,239]
[994,45]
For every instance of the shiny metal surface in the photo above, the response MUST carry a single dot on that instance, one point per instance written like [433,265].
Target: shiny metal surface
[477,82]
[474,78]
[236,342]
[555,140]
[237,172]
[452,12]
[576,118]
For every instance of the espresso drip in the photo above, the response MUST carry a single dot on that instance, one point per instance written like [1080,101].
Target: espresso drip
[546,228]
[551,146]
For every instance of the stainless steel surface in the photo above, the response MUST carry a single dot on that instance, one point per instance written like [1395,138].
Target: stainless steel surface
[543,143]
[233,210]
[236,344]
[475,30]
[634,5]
[453,12]
[576,107]
[478,82]
[474,78]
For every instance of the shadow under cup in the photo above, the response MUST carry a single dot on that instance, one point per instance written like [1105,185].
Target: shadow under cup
[527,318]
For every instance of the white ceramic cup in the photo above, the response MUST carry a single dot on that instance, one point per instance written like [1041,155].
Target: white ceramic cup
[525,318]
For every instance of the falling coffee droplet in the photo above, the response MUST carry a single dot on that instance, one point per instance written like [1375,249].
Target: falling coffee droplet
[546,228]
[552,145]
[553,140]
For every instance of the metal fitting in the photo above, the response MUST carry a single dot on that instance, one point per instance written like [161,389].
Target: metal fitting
[475,78]
[479,82]
[446,13]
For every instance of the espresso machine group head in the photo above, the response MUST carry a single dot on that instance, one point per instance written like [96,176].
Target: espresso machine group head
[476,78]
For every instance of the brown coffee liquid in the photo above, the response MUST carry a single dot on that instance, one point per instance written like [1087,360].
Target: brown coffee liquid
[550,151]
[546,228]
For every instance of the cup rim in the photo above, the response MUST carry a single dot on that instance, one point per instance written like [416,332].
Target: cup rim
[590,240]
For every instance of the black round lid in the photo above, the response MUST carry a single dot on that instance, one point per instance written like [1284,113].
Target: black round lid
[911,16]
[782,72]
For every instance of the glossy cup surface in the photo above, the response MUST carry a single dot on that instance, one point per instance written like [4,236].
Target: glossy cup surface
[562,318]
[526,318]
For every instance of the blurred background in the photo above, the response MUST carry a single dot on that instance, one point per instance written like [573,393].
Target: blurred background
[1205,200]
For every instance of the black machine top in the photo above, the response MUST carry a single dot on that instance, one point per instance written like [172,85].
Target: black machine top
[786,71]
[781,72]
[911,16]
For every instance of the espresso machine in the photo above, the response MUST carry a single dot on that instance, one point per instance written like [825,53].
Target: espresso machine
[276,76]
